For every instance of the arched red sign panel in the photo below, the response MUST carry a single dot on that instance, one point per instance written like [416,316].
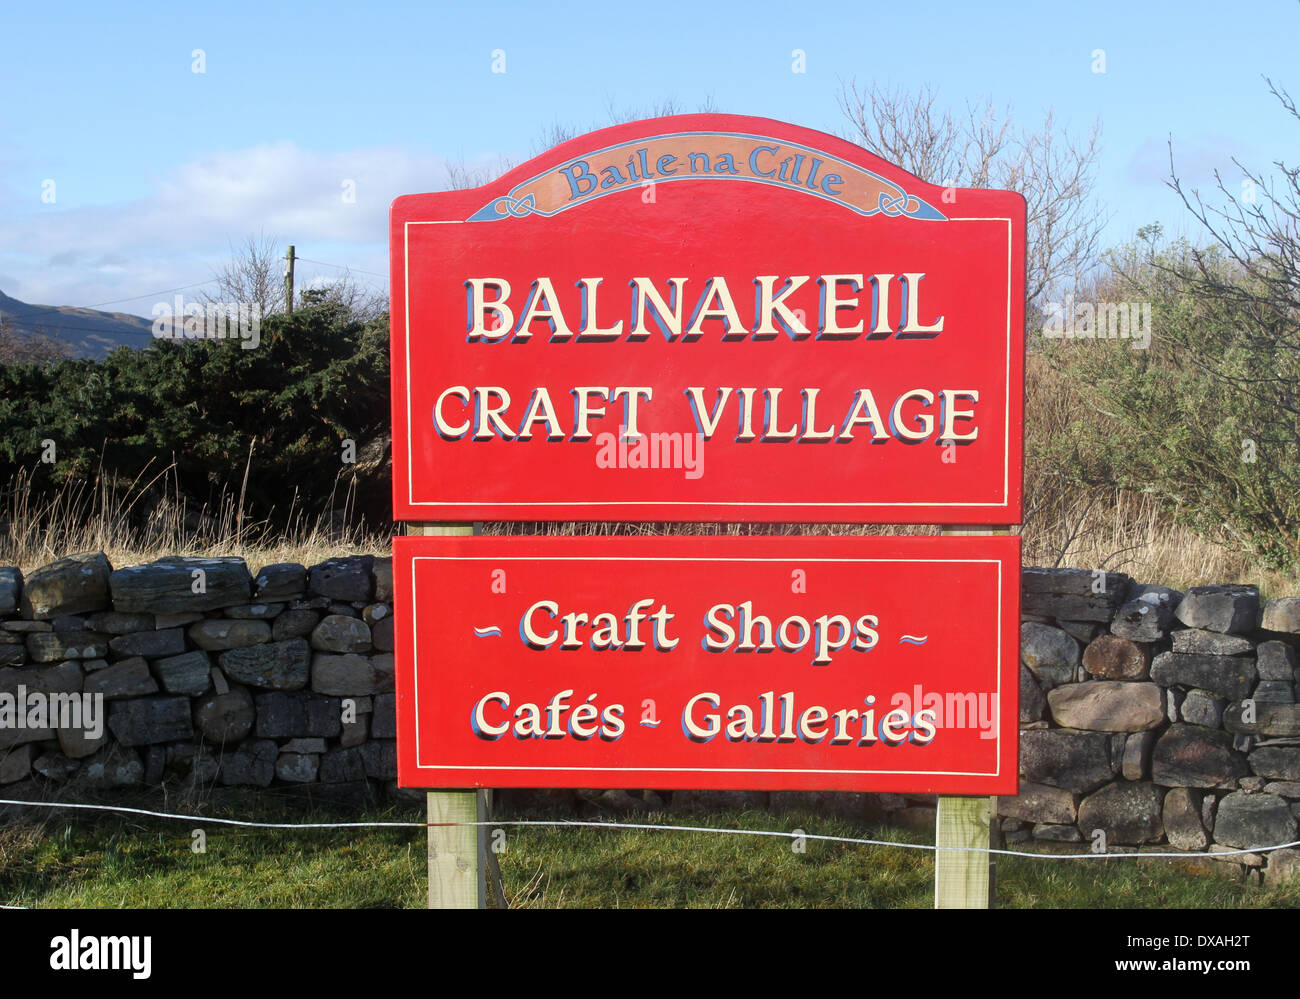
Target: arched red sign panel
[708,317]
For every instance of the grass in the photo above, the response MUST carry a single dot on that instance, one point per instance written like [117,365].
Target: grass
[124,861]
[101,514]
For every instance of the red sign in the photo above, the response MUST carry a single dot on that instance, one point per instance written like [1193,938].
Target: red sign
[827,663]
[708,317]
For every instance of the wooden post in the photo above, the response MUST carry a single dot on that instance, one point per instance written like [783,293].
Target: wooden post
[456,852]
[288,281]
[965,879]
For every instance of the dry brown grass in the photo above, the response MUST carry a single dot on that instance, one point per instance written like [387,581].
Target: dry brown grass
[141,520]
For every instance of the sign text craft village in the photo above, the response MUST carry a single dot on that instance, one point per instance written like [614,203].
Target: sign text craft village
[708,318]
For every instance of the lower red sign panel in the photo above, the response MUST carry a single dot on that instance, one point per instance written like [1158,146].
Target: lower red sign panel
[796,663]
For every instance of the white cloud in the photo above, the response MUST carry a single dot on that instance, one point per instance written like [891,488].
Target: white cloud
[184,228]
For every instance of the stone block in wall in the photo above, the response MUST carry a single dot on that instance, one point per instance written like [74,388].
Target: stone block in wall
[383,720]
[15,763]
[1174,698]
[1051,654]
[340,634]
[13,655]
[1032,701]
[74,585]
[1250,718]
[340,765]
[168,642]
[146,720]
[1210,643]
[1200,707]
[128,678]
[1274,692]
[306,745]
[161,622]
[1281,616]
[348,578]
[189,673]
[349,675]
[270,666]
[112,767]
[1137,756]
[1283,868]
[280,581]
[1057,833]
[225,717]
[55,766]
[255,612]
[294,623]
[1276,762]
[1107,706]
[252,762]
[1076,761]
[297,768]
[354,733]
[1192,756]
[372,614]
[1110,657]
[220,634]
[116,623]
[1247,820]
[382,634]
[168,585]
[1128,812]
[1275,661]
[1224,608]
[380,759]
[1040,803]
[383,573]
[56,646]
[1082,631]
[79,742]
[11,587]
[65,678]
[1072,594]
[301,713]
[1142,620]
[1232,677]
[1182,820]
[186,761]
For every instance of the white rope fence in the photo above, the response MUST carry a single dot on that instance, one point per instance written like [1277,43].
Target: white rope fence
[644,826]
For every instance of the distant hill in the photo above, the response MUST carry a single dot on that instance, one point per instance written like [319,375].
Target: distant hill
[87,333]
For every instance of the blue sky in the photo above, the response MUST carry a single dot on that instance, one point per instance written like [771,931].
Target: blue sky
[158,170]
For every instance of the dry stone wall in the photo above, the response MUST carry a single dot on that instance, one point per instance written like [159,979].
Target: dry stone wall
[1150,719]
[204,672]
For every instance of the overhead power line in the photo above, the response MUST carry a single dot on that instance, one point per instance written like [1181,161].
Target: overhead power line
[355,270]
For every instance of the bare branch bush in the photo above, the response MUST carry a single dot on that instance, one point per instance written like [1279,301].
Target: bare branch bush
[1054,170]
[254,274]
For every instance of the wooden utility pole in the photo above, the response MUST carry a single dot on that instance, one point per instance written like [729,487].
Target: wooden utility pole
[288,281]
[456,852]
[966,879]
